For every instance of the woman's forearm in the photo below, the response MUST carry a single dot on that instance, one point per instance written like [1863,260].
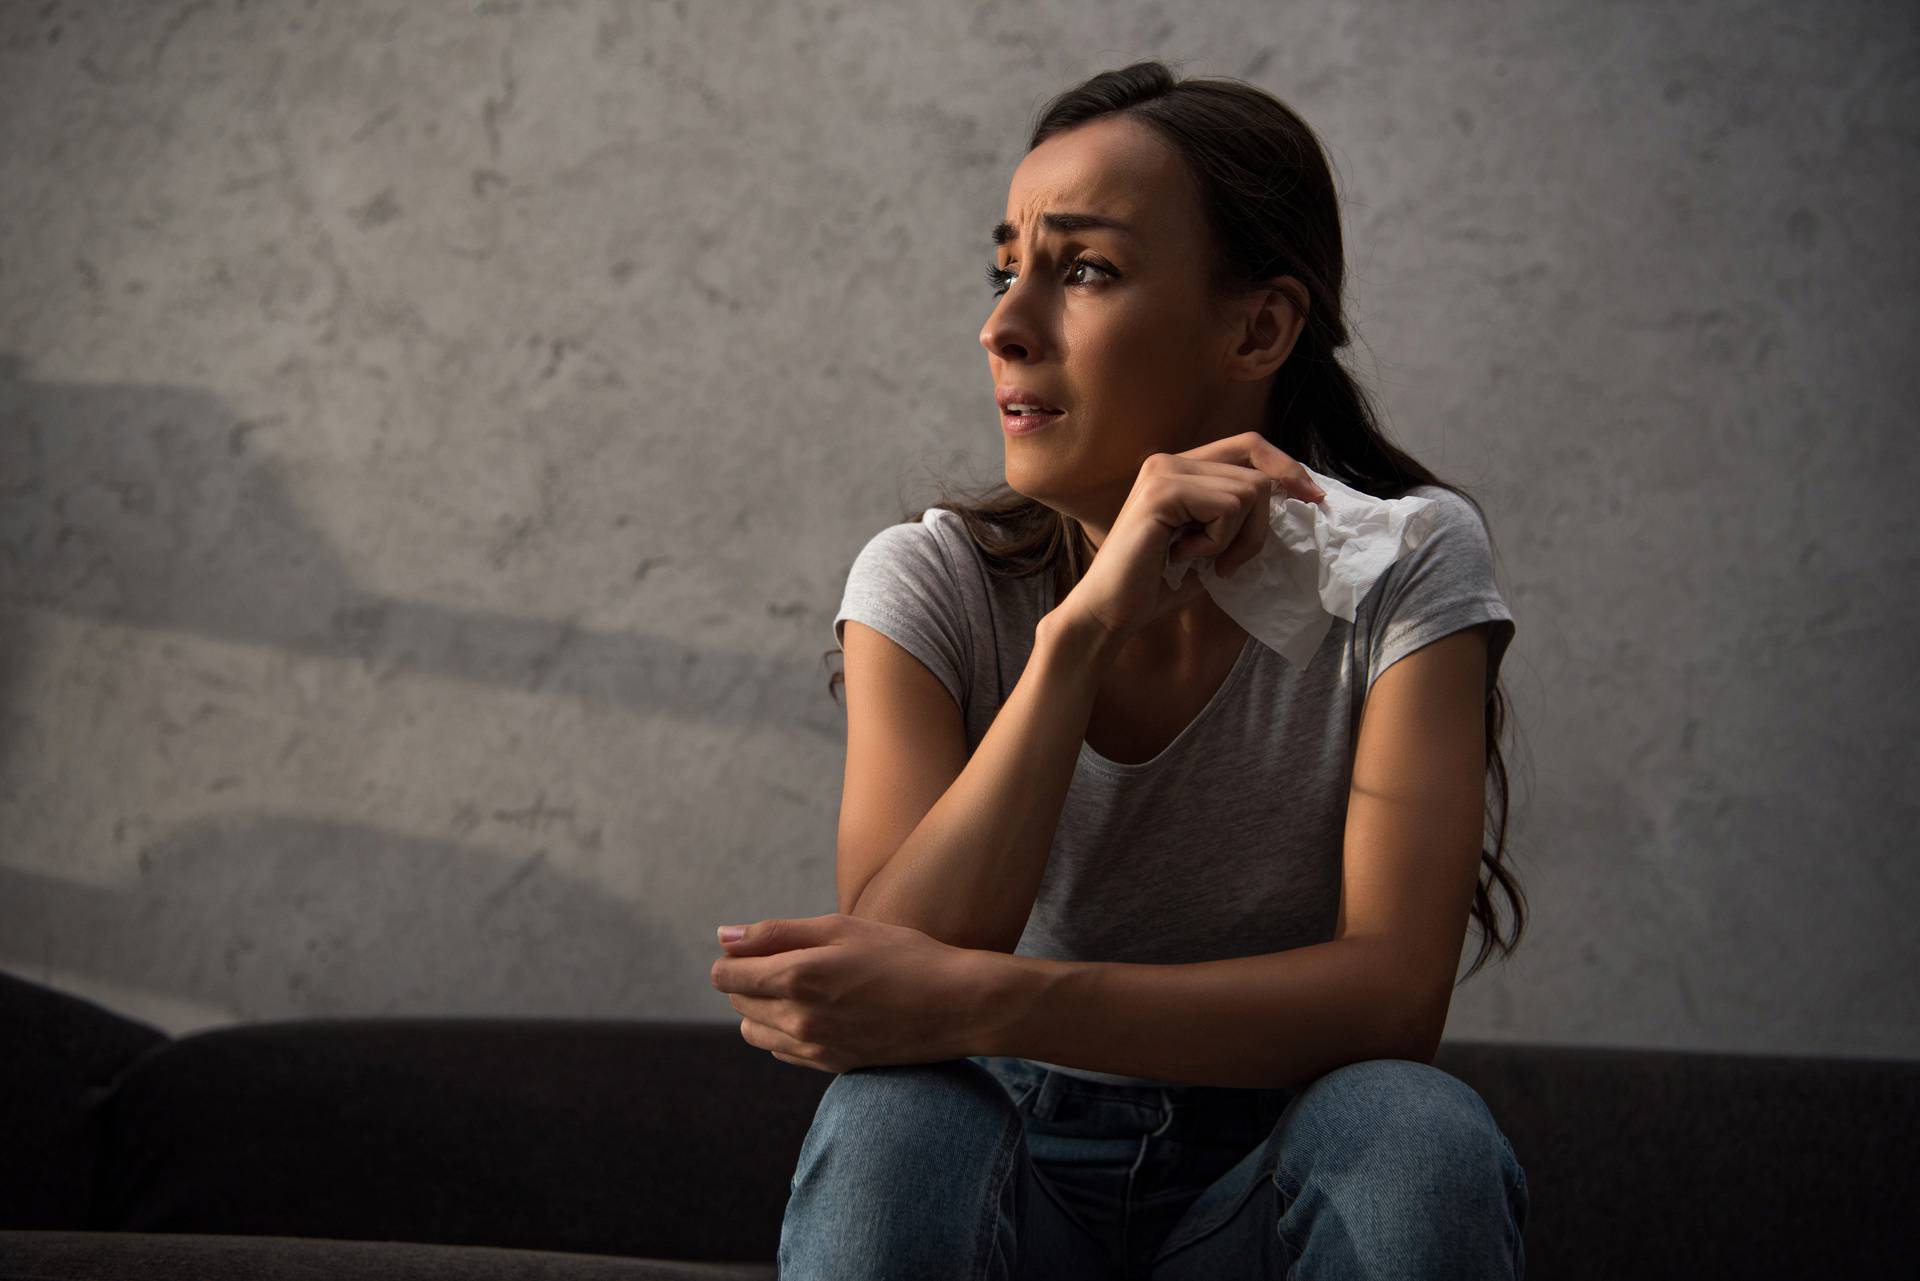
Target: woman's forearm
[969,872]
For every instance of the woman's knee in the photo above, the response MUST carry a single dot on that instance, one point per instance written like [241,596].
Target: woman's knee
[1407,1162]
[951,1083]
[1401,1112]
[906,1169]
[908,1107]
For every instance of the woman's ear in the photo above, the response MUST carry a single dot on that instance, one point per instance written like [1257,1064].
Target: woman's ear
[1275,318]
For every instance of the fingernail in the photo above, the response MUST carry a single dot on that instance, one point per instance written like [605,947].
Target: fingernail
[731,933]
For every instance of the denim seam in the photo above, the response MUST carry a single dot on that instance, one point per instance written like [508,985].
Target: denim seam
[1516,1186]
[1002,1168]
[1133,1175]
[1210,1225]
[1072,1215]
[1029,1102]
[1289,1193]
[1518,1177]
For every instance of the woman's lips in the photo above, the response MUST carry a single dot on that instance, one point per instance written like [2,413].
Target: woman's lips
[1021,424]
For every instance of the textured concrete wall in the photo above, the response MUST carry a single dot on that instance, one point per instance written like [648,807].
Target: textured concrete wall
[433,439]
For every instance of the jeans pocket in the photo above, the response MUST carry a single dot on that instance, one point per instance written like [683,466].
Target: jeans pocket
[1020,1083]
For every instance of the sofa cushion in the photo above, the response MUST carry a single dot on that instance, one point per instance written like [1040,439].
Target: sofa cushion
[669,1140]
[161,1256]
[1658,1163]
[61,1057]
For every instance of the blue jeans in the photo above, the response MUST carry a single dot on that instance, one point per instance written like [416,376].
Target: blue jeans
[995,1168]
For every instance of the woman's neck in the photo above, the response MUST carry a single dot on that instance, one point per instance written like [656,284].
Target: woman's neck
[1183,641]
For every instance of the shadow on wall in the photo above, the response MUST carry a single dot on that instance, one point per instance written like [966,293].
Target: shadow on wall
[144,507]
[271,917]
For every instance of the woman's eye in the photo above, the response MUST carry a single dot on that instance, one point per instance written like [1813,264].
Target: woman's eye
[1087,262]
[1000,279]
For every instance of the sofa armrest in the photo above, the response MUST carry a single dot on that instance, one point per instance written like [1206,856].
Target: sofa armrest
[62,1055]
[100,1256]
[663,1139]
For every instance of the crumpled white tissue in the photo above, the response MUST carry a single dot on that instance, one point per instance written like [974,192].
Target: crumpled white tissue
[1318,562]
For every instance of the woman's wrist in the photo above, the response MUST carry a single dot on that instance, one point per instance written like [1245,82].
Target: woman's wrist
[1072,637]
[1003,987]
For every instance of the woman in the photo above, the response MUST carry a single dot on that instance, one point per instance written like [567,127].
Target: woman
[1146,937]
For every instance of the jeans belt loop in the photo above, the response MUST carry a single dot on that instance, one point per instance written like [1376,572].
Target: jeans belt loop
[1047,1100]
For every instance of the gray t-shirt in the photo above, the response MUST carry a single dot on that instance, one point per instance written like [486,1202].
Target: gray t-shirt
[1229,842]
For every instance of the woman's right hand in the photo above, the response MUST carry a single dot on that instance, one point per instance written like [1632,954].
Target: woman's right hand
[1211,500]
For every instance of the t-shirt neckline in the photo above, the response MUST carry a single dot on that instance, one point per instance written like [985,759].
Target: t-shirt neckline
[1190,730]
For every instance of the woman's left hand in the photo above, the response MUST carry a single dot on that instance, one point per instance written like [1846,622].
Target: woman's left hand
[838,992]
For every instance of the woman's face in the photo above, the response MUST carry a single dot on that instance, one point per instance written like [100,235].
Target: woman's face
[1109,323]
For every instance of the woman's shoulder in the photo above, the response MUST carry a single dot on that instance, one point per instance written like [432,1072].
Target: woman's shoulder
[1455,522]
[918,547]
[1448,551]
[938,531]
[948,530]
[931,524]
[1451,505]
[935,547]
[970,552]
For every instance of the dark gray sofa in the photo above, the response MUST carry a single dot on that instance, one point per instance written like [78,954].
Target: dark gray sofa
[395,1147]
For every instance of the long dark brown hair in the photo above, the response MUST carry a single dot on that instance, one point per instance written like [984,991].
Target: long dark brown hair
[1270,203]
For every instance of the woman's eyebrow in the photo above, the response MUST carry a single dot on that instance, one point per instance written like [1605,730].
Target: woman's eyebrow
[1062,223]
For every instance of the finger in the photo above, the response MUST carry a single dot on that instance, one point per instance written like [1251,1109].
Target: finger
[1187,465]
[1251,449]
[786,1048]
[1218,505]
[1225,530]
[799,1062]
[780,934]
[751,976]
[1247,539]
[763,1037]
[767,1011]
[1290,478]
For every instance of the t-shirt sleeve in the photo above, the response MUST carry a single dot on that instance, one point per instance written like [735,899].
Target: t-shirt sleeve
[904,585]
[1441,586]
